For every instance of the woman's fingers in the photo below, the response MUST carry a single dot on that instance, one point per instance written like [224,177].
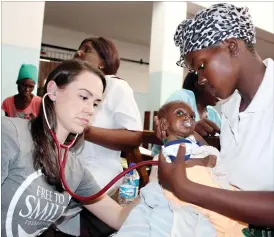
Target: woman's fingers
[159,134]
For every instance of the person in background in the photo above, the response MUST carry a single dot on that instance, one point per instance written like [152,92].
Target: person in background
[118,117]
[24,104]
[205,97]
[224,56]
[200,99]
[116,126]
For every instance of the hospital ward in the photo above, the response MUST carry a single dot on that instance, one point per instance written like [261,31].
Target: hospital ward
[137,119]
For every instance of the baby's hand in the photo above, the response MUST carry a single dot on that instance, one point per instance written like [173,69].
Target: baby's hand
[209,161]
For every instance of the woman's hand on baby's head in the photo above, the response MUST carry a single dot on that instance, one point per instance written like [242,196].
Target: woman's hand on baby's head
[159,133]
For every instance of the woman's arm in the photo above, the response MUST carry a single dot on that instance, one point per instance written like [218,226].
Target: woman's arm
[124,113]
[255,208]
[252,207]
[116,139]
[110,212]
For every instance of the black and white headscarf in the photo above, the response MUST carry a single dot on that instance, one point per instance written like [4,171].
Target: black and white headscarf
[213,25]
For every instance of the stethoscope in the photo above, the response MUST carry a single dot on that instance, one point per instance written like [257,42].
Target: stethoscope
[63,160]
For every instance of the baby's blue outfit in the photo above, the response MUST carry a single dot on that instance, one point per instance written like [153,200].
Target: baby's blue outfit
[170,149]
[155,216]
[188,97]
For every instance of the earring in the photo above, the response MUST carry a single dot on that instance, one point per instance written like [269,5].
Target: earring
[202,82]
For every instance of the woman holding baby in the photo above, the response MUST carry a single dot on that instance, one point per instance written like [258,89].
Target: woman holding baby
[219,45]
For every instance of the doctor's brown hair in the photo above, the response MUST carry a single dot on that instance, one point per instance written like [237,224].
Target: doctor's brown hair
[44,149]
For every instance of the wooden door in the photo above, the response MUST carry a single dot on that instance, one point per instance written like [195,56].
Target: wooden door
[45,69]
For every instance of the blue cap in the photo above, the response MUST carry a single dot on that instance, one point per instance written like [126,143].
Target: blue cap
[130,165]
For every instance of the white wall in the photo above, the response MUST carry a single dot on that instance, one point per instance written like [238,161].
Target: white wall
[72,39]
[16,15]
[21,39]
[135,74]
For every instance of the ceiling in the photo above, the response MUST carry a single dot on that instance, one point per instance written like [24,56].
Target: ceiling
[125,21]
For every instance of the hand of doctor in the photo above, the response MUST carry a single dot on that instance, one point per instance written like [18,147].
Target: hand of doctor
[172,176]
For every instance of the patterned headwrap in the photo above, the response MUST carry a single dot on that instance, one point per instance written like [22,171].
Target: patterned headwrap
[213,25]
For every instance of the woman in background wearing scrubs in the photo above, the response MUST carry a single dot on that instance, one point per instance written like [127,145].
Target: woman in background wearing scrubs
[117,123]
[209,120]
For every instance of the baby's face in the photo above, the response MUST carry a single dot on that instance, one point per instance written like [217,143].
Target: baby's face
[181,120]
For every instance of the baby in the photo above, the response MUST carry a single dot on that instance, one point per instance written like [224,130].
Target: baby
[159,212]
[177,120]
[203,162]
